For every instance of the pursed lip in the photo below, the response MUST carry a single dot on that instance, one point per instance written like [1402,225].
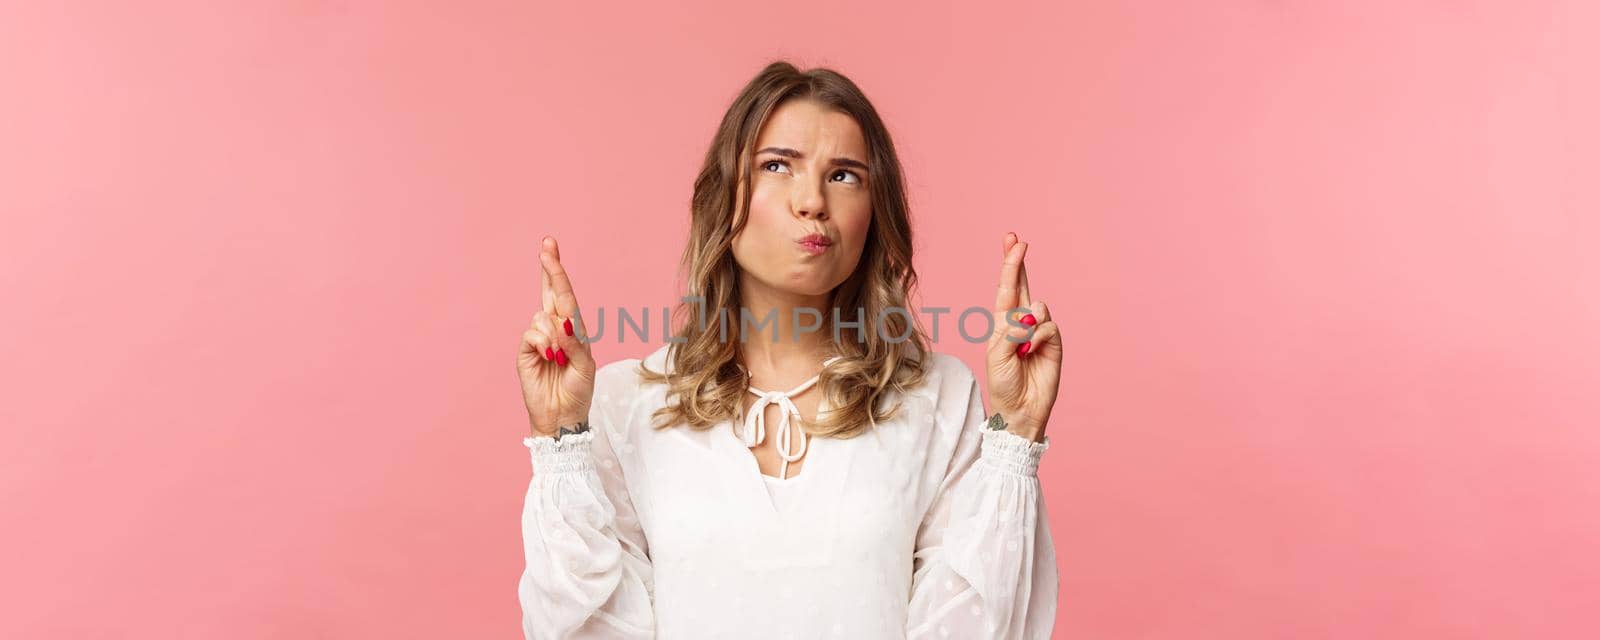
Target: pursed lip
[816,239]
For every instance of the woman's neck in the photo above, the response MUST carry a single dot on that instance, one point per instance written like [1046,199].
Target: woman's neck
[773,340]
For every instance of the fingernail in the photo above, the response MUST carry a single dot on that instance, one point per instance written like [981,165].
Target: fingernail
[567,325]
[561,357]
[1022,349]
[1029,320]
[549,354]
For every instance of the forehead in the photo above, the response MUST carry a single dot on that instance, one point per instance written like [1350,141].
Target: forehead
[806,125]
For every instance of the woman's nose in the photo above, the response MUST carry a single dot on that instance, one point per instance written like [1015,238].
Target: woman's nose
[810,203]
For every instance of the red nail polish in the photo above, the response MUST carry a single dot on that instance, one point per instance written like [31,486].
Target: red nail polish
[549,354]
[567,325]
[1029,320]
[1022,349]
[561,357]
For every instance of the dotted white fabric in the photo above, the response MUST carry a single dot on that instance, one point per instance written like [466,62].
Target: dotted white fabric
[926,526]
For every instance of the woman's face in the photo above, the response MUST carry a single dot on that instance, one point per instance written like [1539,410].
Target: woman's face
[809,177]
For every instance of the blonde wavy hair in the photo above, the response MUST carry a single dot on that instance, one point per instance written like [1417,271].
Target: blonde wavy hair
[705,384]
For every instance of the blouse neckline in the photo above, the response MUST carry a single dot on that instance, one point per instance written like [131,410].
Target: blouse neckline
[754,422]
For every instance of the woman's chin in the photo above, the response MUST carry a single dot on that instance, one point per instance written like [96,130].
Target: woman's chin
[809,285]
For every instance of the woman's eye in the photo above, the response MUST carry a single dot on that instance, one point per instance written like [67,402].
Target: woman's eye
[766,166]
[846,177]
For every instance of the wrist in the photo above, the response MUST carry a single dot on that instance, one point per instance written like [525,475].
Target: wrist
[557,427]
[1017,423]
[1031,431]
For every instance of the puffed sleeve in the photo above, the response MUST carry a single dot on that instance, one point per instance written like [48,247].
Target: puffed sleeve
[984,565]
[588,571]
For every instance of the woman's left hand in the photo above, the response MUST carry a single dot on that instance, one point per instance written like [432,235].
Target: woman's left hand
[1024,352]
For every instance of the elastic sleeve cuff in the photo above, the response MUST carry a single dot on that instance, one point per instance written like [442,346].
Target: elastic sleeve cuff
[1012,453]
[570,454]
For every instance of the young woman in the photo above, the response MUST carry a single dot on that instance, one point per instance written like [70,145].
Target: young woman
[818,472]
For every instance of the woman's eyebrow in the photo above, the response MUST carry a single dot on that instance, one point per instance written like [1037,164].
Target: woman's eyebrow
[791,153]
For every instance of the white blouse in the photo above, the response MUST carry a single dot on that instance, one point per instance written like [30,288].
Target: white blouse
[924,526]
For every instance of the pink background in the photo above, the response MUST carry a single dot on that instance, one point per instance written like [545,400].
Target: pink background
[1328,274]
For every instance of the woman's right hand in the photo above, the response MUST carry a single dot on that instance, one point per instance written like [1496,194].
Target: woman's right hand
[556,368]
